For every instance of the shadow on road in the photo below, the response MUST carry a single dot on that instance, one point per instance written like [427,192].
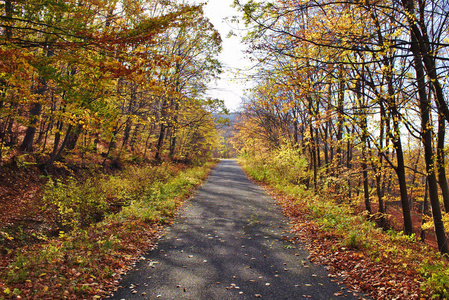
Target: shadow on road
[230,242]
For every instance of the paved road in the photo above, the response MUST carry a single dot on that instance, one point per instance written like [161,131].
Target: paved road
[229,243]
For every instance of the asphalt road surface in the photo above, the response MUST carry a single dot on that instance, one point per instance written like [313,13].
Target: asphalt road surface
[230,242]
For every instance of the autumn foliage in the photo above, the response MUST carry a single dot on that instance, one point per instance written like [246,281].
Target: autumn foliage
[359,89]
[98,229]
[356,92]
[385,264]
[103,123]
[107,77]
[347,120]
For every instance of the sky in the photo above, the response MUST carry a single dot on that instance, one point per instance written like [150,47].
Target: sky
[228,88]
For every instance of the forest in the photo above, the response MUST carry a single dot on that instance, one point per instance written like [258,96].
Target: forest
[350,103]
[359,90]
[108,76]
[105,128]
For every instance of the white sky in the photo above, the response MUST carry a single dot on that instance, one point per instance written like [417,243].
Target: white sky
[228,88]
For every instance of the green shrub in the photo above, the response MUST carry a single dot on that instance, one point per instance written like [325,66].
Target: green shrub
[76,203]
[340,220]
[437,278]
[284,166]
[288,164]
[150,195]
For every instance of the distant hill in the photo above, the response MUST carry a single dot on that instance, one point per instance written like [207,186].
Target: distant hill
[225,126]
[232,117]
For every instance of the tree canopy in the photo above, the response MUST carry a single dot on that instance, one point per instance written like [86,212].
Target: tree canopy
[113,77]
[360,89]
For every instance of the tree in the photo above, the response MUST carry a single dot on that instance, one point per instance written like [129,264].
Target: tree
[91,71]
[361,55]
[193,47]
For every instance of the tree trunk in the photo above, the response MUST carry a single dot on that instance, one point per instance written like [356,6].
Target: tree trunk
[295,131]
[425,211]
[173,144]
[59,126]
[400,171]
[162,132]
[126,132]
[28,140]
[379,171]
[134,137]
[35,112]
[397,145]
[327,130]
[160,142]
[58,152]
[442,179]
[12,136]
[364,138]
[339,154]
[113,141]
[326,147]
[400,168]
[421,48]
[312,145]
[74,136]
[175,126]
[424,105]
[313,158]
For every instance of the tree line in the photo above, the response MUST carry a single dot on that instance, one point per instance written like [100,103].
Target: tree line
[360,89]
[113,77]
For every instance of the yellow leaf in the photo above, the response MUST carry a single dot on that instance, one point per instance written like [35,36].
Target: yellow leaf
[7,291]
[45,288]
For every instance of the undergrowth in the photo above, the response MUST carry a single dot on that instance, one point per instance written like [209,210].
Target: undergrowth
[78,204]
[349,228]
[97,243]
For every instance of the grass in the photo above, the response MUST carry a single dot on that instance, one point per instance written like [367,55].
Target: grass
[338,235]
[96,244]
